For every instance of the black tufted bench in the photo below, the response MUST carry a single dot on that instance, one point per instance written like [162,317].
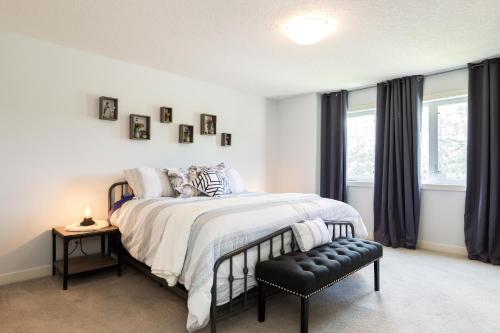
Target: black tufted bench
[307,273]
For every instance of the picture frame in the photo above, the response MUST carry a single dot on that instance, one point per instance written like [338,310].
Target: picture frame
[226,139]
[140,127]
[108,108]
[165,114]
[208,124]
[186,133]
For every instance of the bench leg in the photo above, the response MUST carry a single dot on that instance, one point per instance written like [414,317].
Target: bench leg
[376,270]
[213,326]
[262,302]
[304,314]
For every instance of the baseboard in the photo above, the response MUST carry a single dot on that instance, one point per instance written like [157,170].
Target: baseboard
[437,247]
[444,248]
[28,274]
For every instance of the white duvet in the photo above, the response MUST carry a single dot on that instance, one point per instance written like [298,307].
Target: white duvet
[180,239]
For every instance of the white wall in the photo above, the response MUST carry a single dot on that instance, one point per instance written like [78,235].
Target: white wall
[293,135]
[442,211]
[56,154]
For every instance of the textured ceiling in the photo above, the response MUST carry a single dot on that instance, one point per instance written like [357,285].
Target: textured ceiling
[238,43]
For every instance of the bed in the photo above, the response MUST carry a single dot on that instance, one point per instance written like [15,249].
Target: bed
[189,243]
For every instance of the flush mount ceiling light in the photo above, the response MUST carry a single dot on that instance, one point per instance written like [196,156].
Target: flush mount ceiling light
[307,30]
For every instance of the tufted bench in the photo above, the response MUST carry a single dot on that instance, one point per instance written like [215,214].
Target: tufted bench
[307,273]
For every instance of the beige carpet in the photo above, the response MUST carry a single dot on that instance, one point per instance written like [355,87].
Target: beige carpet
[421,292]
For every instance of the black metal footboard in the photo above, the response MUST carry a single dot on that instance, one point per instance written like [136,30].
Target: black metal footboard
[248,298]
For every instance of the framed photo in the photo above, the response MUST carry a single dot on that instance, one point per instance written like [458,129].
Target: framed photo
[140,127]
[208,124]
[186,134]
[165,114]
[108,108]
[225,139]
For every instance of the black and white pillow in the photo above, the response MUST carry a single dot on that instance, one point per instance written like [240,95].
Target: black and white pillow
[211,182]
[311,233]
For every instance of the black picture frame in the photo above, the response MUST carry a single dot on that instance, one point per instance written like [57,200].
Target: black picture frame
[226,139]
[140,127]
[186,133]
[166,114]
[108,108]
[208,124]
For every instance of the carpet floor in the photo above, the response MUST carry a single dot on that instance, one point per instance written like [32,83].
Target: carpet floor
[421,291]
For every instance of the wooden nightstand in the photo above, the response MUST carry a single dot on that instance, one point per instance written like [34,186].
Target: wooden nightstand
[76,265]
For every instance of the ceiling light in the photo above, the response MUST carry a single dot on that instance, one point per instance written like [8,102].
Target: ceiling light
[307,30]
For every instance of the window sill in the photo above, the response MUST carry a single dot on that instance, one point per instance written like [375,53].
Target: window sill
[358,183]
[427,187]
[443,187]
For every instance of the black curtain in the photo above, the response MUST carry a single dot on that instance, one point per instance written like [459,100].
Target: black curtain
[397,181]
[482,200]
[333,145]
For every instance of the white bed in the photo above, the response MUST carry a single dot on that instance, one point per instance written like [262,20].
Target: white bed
[180,239]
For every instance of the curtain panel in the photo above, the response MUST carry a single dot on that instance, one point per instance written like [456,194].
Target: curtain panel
[482,199]
[397,176]
[333,181]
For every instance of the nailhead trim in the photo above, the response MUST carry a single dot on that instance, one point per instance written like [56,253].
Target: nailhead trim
[322,288]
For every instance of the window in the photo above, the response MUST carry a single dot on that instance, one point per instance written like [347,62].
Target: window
[444,140]
[361,145]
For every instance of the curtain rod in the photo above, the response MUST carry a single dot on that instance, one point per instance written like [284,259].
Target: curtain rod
[461,68]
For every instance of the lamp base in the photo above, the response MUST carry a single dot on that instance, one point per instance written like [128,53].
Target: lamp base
[86,222]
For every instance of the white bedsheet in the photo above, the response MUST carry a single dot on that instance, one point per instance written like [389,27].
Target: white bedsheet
[180,239]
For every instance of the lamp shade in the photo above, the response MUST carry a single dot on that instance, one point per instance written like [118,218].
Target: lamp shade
[87,211]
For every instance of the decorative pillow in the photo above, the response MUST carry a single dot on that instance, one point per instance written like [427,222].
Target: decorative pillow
[211,182]
[236,184]
[311,233]
[221,166]
[198,169]
[181,182]
[149,183]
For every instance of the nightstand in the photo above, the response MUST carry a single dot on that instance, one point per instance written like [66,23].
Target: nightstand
[91,262]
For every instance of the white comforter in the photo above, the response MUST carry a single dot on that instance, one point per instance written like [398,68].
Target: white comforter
[180,239]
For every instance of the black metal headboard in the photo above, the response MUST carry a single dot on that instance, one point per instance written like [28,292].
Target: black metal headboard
[122,188]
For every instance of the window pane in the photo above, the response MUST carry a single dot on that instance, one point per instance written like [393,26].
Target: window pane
[361,145]
[444,140]
[452,141]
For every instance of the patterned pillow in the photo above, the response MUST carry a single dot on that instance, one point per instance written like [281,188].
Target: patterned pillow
[221,167]
[181,181]
[198,169]
[311,233]
[211,182]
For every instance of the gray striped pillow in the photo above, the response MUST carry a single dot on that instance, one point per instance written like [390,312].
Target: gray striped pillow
[311,233]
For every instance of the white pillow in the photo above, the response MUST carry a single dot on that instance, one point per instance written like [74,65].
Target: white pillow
[149,183]
[311,233]
[236,184]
